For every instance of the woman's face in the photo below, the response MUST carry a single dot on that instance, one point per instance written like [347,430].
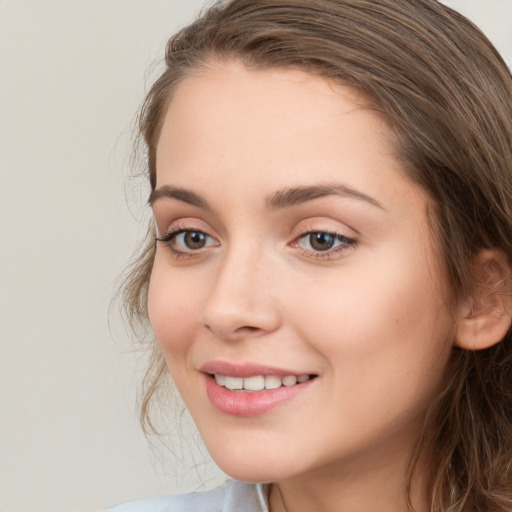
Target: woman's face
[294,249]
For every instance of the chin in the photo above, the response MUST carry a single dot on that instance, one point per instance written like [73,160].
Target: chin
[247,468]
[250,474]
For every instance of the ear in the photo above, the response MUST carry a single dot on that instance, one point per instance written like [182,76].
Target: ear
[487,318]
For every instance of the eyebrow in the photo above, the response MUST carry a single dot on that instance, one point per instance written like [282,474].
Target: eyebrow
[298,195]
[278,200]
[181,194]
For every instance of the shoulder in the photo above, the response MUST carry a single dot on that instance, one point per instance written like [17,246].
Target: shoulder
[232,497]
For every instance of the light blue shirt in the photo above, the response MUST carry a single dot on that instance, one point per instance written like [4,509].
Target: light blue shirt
[232,497]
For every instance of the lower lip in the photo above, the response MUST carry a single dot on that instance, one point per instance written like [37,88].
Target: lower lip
[247,404]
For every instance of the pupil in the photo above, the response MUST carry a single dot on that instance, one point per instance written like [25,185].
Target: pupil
[321,241]
[195,240]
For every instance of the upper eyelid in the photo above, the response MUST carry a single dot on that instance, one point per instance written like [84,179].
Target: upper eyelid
[184,225]
[348,239]
[301,229]
[321,225]
[335,234]
[173,232]
[296,233]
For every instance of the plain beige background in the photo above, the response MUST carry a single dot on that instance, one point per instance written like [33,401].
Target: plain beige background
[72,73]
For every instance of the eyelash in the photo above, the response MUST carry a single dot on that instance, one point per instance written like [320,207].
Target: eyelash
[346,243]
[171,235]
[332,253]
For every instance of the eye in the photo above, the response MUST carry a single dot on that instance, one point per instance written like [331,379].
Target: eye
[192,239]
[186,241]
[323,243]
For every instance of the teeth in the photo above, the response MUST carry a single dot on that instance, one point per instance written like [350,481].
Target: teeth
[289,380]
[234,383]
[259,382]
[254,383]
[272,382]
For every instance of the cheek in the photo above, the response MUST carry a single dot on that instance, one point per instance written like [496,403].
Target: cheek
[375,323]
[385,352]
[172,310]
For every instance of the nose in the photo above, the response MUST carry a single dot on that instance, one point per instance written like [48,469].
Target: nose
[242,301]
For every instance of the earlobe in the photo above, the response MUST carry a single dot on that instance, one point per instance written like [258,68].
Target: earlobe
[487,318]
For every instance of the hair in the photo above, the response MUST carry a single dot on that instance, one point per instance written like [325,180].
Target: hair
[446,93]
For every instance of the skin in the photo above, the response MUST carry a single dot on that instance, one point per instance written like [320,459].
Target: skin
[370,319]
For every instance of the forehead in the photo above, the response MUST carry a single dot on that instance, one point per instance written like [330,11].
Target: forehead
[274,117]
[272,92]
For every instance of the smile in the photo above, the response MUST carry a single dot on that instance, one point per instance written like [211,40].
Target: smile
[259,382]
[254,395]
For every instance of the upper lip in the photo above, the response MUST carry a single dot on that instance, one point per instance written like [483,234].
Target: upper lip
[244,370]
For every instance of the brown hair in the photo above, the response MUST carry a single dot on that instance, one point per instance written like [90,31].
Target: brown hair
[447,95]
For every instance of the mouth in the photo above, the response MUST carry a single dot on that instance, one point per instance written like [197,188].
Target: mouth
[259,382]
[249,390]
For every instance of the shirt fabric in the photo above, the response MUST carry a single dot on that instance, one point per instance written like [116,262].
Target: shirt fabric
[232,497]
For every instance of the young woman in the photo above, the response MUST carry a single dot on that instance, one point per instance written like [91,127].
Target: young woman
[328,275]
